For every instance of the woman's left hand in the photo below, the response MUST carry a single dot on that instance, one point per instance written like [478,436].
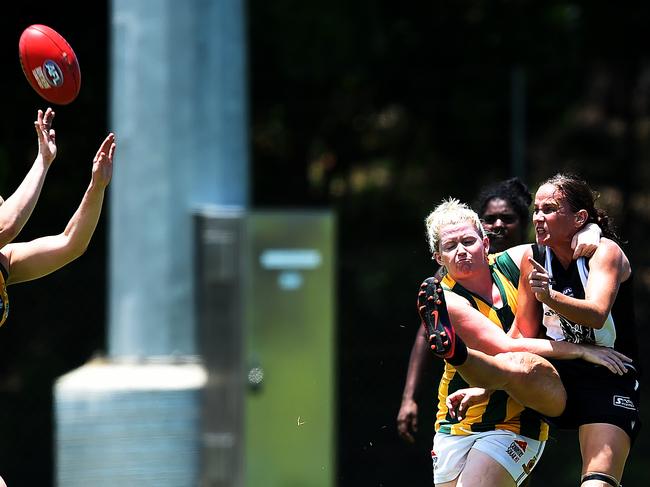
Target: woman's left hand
[605,356]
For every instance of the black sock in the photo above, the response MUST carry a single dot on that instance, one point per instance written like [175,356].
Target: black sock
[460,353]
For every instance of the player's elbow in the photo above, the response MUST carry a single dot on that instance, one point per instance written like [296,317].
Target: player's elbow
[74,248]
[9,230]
[598,323]
[597,319]
[78,251]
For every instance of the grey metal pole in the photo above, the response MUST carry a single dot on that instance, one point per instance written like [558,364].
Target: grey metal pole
[179,110]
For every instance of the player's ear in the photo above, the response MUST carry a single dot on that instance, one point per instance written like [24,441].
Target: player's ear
[438,258]
[581,217]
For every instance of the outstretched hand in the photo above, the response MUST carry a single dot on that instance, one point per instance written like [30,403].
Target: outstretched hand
[460,401]
[103,162]
[46,135]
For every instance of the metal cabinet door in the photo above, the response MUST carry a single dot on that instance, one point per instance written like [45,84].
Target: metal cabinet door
[289,306]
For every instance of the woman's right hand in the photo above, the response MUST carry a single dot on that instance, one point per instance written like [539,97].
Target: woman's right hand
[46,135]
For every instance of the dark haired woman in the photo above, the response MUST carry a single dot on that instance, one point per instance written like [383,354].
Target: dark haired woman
[504,208]
[585,301]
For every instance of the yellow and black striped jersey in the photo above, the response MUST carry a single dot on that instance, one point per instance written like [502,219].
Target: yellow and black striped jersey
[499,411]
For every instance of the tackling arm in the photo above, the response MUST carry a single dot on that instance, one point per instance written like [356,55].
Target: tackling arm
[479,333]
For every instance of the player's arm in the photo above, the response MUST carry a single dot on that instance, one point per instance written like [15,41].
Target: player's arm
[479,333]
[585,242]
[517,252]
[607,269]
[39,257]
[528,317]
[407,417]
[16,210]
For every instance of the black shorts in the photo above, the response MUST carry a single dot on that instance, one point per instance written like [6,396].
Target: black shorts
[596,395]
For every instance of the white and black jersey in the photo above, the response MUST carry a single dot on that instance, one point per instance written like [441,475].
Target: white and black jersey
[594,394]
[619,330]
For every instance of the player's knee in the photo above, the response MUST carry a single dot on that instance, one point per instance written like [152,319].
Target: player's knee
[539,375]
[531,365]
[522,363]
[598,479]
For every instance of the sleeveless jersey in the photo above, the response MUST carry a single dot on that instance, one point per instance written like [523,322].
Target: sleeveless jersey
[572,282]
[499,411]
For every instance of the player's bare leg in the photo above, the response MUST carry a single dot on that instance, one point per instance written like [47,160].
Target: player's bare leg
[481,470]
[604,449]
[526,377]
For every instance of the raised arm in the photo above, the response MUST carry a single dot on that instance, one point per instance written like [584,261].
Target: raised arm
[16,210]
[607,269]
[39,257]
[585,242]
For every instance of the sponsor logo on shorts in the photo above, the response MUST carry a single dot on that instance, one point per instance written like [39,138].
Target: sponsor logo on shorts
[517,449]
[528,467]
[624,402]
[434,459]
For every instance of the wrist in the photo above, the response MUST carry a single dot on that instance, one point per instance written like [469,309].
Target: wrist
[42,161]
[407,398]
[548,298]
[580,352]
[94,187]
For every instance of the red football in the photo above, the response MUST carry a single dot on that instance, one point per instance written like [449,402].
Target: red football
[50,64]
